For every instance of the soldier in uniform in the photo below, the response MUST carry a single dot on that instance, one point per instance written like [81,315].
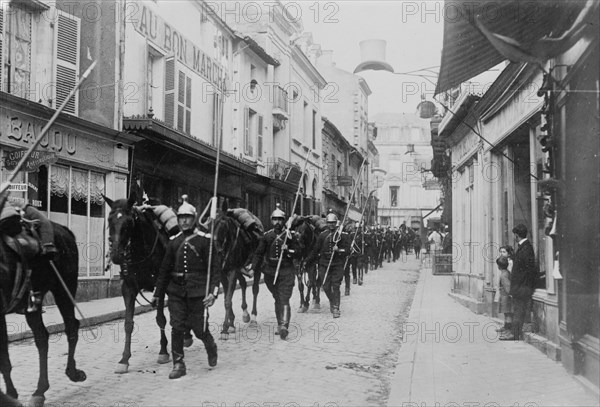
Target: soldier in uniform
[183,276]
[330,244]
[269,250]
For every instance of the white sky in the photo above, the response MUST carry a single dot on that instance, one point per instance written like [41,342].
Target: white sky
[413,31]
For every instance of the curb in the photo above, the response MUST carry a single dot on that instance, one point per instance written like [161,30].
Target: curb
[401,383]
[59,327]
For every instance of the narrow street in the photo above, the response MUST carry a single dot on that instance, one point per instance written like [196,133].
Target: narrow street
[324,362]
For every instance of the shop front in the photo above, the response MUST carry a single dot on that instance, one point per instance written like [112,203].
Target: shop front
[77,162]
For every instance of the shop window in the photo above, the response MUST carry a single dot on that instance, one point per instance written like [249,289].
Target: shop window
[76,201]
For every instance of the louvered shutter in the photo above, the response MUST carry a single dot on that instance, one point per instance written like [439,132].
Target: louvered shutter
[246,131]
[170,92]
[67,60]
[1,47]
[181,101]
[259,143]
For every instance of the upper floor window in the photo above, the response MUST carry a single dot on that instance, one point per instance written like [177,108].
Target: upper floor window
[393,197]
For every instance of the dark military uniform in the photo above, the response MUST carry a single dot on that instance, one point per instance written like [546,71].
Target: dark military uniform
[183,276]
[268,251]
[323,249]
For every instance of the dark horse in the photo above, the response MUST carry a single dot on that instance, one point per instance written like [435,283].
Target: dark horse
[306,229]
[12,264]
[137,244]
[235,246]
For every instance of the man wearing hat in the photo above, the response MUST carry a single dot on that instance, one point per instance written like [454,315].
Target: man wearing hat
[269,250]
[183,276]
[332,246]
[522,281]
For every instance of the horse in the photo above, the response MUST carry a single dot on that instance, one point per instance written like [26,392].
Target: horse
[235,246]
[137,244]
[13,263]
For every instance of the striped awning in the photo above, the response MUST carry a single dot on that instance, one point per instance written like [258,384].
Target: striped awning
[467,53]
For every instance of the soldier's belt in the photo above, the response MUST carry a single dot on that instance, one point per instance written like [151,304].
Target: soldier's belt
[182,274]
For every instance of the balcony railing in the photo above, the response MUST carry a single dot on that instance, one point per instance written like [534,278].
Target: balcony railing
[280,100]
[283,170]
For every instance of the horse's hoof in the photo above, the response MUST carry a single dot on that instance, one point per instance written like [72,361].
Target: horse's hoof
[231,329]
[246,317]
[162,359]
[122,368]
[36,401]
[253,323]
[224,336]
[187,342]
[317,306]
[76,375]
[302,310]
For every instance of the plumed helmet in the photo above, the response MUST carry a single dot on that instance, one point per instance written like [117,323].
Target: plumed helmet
[331,217]
[186,208]
[278,213]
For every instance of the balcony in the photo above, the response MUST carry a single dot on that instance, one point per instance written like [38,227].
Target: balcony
[280,169]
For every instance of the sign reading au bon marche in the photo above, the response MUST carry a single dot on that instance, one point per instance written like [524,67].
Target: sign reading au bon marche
[33,163]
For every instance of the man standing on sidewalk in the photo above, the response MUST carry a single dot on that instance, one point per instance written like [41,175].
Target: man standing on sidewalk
[522,281]
[183,275]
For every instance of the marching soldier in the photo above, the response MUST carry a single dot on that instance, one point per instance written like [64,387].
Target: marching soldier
[330,244]
[183,276]
[269,250]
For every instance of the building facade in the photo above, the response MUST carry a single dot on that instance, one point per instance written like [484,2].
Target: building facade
[526,151]
[408,191]
[44,48]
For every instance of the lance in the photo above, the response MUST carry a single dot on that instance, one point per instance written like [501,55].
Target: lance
[213,217]
[37,141]
[289,222]
[356,231]
[337,236]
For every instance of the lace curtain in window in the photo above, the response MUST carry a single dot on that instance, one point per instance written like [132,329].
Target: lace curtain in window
[97,188]
[59,181]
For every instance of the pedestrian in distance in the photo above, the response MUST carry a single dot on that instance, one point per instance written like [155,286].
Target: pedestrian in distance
[270,249]
[505,303]
[183,275]
[417,246]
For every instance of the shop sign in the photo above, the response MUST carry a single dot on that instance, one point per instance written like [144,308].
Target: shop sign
[34,161]
[345,181]
[165,36]
[17,188]
[431,185]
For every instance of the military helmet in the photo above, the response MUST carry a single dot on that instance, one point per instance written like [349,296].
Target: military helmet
[278,213]
[331,217]
[186,209]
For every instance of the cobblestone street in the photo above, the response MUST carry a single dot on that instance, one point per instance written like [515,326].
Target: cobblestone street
[324,362]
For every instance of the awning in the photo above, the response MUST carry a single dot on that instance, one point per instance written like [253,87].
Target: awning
[467,53]
[159,132]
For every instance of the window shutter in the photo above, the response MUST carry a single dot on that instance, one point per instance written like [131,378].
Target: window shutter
[259,143]
[188,105]
[170,92]
[246,131]
[1,46]
[67,60]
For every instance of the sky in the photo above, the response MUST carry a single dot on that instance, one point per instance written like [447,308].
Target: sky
[413,31]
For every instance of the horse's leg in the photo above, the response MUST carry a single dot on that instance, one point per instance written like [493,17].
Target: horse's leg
[40,335]
[243,286]
[129,295]
[301,290]
[5,365]
[67,310]
[255,289]
[161,321]
[229,299]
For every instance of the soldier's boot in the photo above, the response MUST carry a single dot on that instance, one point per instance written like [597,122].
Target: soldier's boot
[211,351]
[335,310]
[286,314]
[178,367]
[354,280]
[278,316]
[347,290]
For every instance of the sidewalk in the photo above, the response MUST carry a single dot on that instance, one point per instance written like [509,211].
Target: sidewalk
[452,357]
[95,312]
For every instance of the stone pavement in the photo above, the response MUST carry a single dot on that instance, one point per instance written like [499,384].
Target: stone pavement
[325,362]
[452,357]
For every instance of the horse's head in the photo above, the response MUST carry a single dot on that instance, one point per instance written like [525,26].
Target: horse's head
[304,236]
[121,223]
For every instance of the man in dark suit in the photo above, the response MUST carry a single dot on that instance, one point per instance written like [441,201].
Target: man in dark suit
[522,281]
